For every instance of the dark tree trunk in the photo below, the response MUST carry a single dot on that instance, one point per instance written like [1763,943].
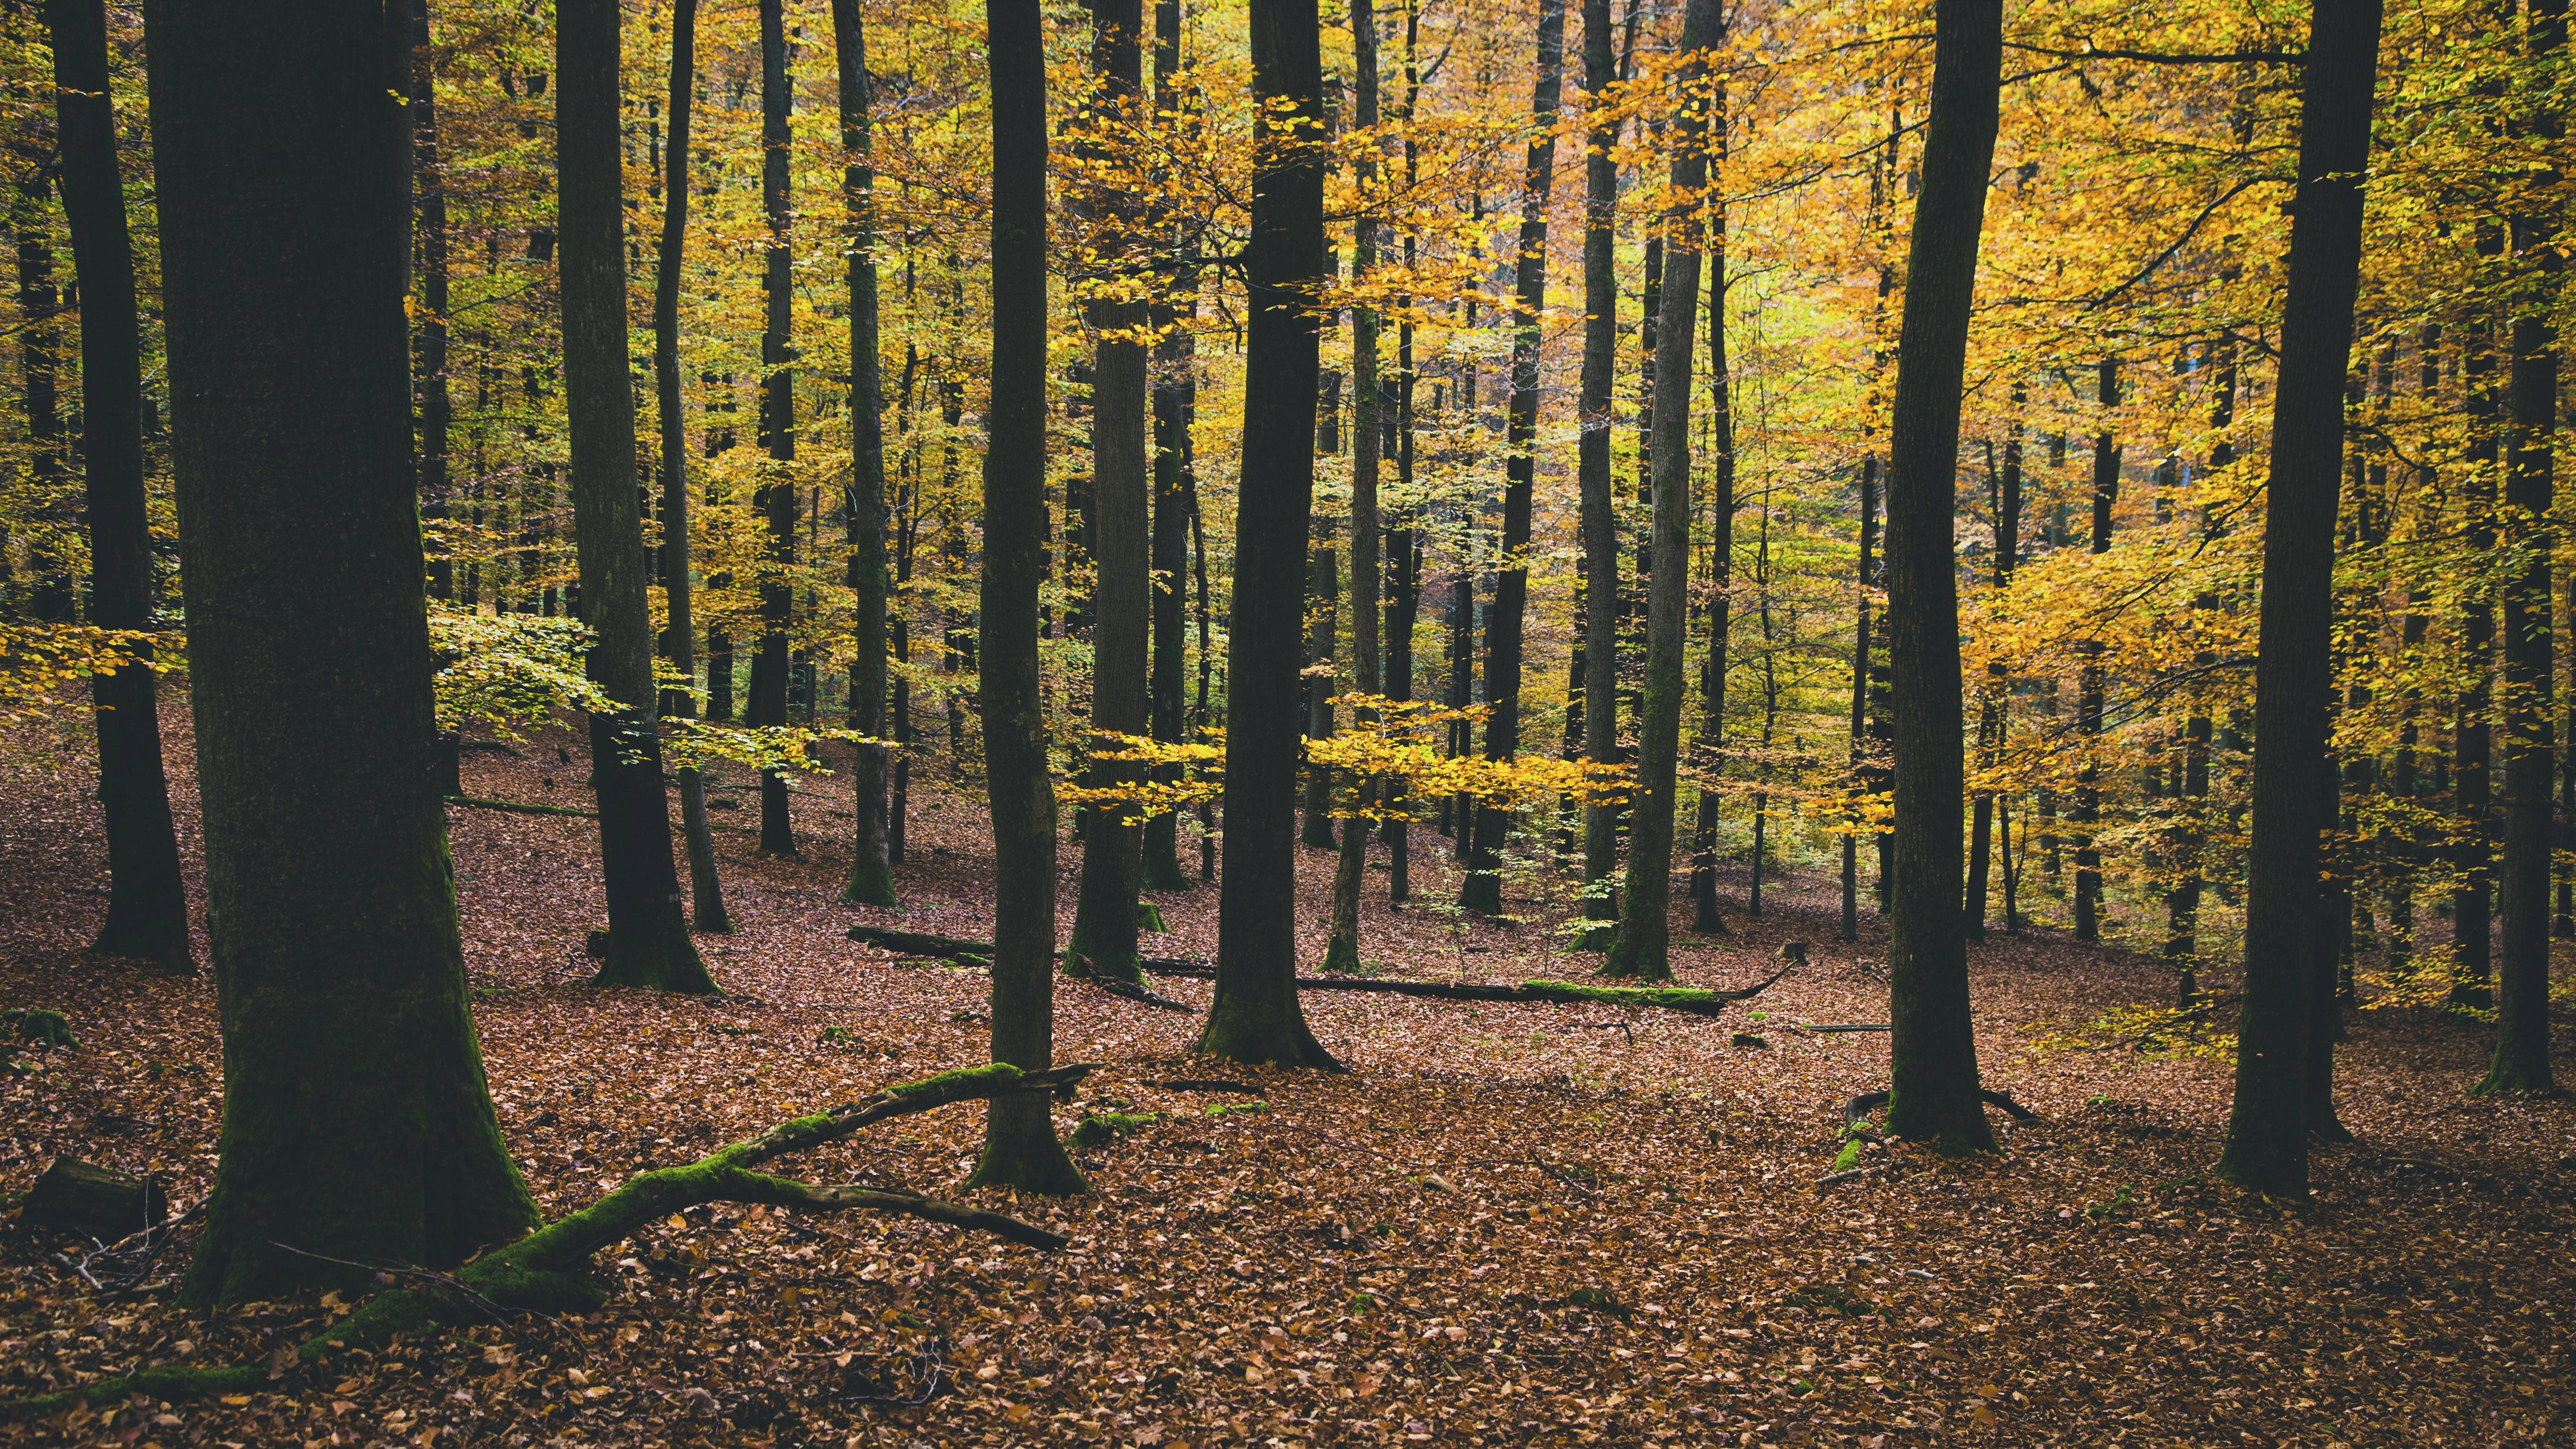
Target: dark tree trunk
[147,903]
[437,410]
[706,892]
[1255,1016]
[356,1123]
[1481,888]
[1342,952]
[1990,716]
[1932,1057]
[1600,523]
[1404,588]
[1863,776]
[1323,601]
[1020,1147]
[2473,735]
[1721,572]
[52,598]
[775,499]
[2267,1130]
[871,881]
[1643,946]
[1160,868]
[1104,920]
[2091,684]
[2521,1060]
[648,938]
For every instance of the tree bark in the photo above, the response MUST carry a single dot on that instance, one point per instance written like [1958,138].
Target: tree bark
[1160,868]
[1342,952]
[775,499]
[1481,886]
[1599,516]
[2267,1130]
[706,890]
[147,904]
[2521,1059]
[1721,570]
[1255,1016]
[437,410]
[1932,1057]
[648,938]
[2473,735]
[871,881]
[355,1117]
[1020,1146]
[2091,684]
[1643,945]
[1104,920]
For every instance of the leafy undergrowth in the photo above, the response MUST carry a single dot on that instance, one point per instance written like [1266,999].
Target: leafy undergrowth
[1511,1224]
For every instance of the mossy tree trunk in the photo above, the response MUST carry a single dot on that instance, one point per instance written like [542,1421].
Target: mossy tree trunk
[871,881]
[1020,1147]
[2267,1129]
[1932,1066]
[147,902]
[648,937]
[355,1117]
[1104,920]
[1255,1016]
[1643,946]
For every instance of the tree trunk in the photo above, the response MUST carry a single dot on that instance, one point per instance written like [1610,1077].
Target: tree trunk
[2091,685]
[2521,1060]
[1481,887]
[1160,869]
[2473,734]
[1367,443]
[775,499]
[1862,777]
[1643,946]
[1323,600]
[706,891]
[871,881]
[2267,1130]
[1020,1146]
[437,411]
[1404,602]
[648,938]
[1600,522]
[1255,1016]
[1721,569]
[1932,1057]
[1104,920]
[356,1122]
[1990,715]
[147,904]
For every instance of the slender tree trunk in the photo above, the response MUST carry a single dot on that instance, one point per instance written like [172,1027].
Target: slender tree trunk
[1160,868]
[1721,566]
[1367,444]
[52,599]
[1862,774]
[437,411]
[1990,715]
[2473,736]
[1643,946]
[2521,1060]
[1481,888]
[1404,604]
[706,891]
[1255,1016]
[1932,1058]
[2267,1131]
[1600,522]
[2091,684]
[356,1122]
[1104,921]
[871,881]
[1323,602]
[775,499]
[1020,1146]
[648,938]
[147,904]
[2191,841]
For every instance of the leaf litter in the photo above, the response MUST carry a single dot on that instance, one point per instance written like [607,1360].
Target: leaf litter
[1505,1226]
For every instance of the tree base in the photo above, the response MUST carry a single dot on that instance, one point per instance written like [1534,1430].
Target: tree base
[1021,1151]
[673,966]
[1342,956]
[1258,1037]
[1635,961]
[871,883]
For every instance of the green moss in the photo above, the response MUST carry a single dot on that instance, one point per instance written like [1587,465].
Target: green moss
[1629,958]
[1094,1130]
[870,884]
[1849,1157]
[1342,956]
[959,1085]
[174,1382]
[1149,917]
[41,1024]
[1683,998]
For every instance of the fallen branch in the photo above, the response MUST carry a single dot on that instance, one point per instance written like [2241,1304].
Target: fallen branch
[1859,1108]
[548,1270]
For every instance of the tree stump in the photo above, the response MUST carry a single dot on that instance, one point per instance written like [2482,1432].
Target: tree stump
[93,1201]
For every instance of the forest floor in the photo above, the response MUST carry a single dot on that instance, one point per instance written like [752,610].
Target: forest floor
[1508,1224]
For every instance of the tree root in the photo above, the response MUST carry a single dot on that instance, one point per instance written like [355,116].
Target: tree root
[1859,1108]
[548,1270]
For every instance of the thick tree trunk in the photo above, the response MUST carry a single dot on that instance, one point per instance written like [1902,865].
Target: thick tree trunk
[1932,1057]
[147,904]
[1104,920]
[775,499]
[706,891]
[356,1122]
[2267,1130]
[2521,1060]
[1020,1146]
[1255,1016]
[1342,952]
[1481,887]
[648,938]
[1643,945]
[871,881]
[1599,518]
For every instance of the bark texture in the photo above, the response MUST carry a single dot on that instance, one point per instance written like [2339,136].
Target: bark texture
[871,881]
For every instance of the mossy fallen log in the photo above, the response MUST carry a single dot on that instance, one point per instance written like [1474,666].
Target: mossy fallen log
[548,1271]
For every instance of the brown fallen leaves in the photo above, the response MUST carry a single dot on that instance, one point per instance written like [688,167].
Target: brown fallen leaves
[1506,1227]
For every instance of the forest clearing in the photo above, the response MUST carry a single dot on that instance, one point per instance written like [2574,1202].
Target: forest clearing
[1508,1225]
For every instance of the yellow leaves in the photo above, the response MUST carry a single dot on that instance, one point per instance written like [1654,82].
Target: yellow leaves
[38,660]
